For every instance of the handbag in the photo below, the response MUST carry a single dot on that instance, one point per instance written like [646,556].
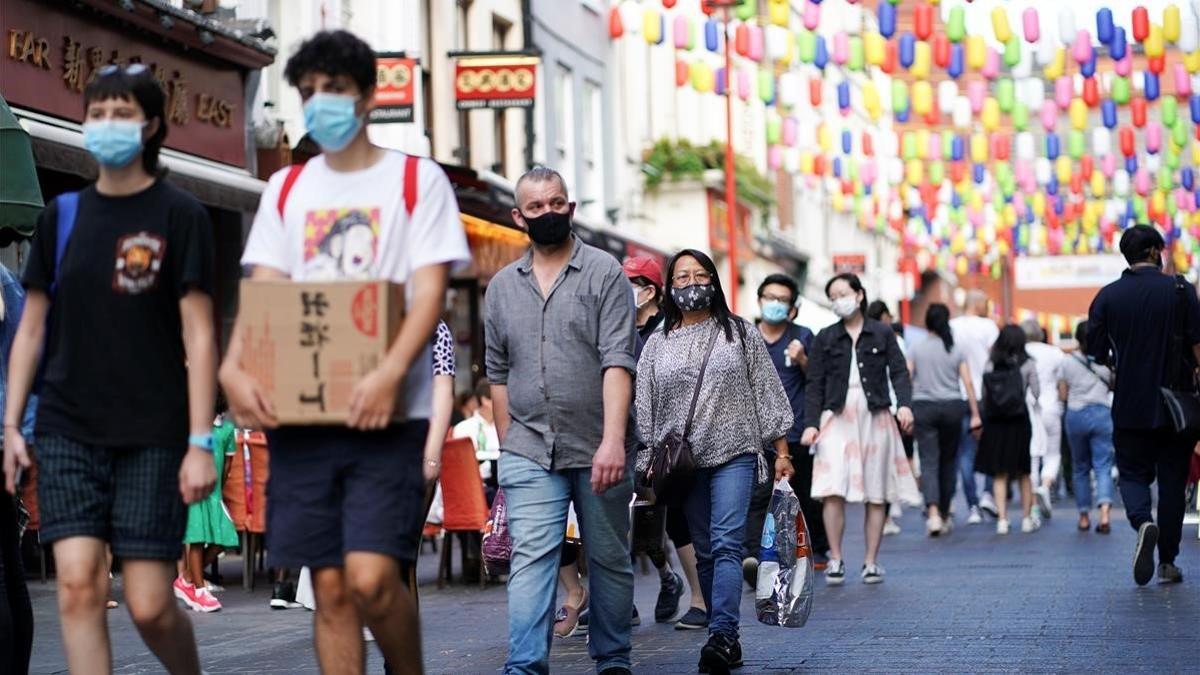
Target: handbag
[497,540]
[1182,404]
[672,464]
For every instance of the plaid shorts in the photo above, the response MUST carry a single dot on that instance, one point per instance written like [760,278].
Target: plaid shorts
[128,497]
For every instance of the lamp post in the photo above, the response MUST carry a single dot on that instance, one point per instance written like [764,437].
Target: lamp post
[730,178]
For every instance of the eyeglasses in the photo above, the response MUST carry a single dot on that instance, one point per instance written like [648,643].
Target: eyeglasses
[131,69]
[686,278]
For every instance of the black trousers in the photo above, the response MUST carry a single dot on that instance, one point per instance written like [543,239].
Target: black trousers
[801,482]
[938,431]
[1144,457]
[16,611]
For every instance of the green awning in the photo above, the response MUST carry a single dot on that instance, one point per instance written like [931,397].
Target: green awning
[20,195]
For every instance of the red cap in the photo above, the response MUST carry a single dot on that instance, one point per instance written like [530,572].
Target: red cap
[644,266]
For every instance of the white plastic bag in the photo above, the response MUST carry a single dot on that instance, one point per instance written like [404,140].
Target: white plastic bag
[784,593]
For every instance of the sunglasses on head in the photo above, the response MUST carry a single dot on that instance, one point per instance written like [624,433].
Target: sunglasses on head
[131,69]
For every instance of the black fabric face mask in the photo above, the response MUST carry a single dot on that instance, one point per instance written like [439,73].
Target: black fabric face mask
[549,229]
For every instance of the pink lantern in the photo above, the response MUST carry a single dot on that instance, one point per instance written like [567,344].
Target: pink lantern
[1108,165]
[1141,182]
[1183,83]
[1125,66]
[1153,137]
[841,48]
[789,131]
[774,157]
[756,43]
[680,30]
[1049,115]
[812,15]
[868,172]
[1063,90]
[991,64]
[935,147]
[976,93]
[1082,49]
[1030,20]
[743,84]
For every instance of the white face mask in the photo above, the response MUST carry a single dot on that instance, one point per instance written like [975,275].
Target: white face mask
[845,307]
[637,292]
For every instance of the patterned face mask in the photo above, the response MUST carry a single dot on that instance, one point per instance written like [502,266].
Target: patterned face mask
[694,298]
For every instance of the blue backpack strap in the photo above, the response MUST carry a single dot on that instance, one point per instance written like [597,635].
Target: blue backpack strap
[68,208]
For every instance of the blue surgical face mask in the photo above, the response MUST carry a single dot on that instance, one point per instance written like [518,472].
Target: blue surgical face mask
[331,120]
[774,311]
[114,143]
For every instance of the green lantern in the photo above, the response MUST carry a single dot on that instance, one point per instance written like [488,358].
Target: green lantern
[1012,51]
[857,59]
[899,96]
[774,126]
[1076,144]
[1120,90]
[937,173]
[1169,110]
[956,26]
[806,45]
[1005,94]
[1020,116]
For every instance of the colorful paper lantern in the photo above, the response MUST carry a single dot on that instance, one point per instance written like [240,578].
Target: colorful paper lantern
[956,24]
[1141,23]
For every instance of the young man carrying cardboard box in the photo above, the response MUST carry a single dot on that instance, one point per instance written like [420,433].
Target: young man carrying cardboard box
[346,500]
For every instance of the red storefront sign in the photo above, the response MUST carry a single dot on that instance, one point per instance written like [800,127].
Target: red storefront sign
[495,82]
[850,263]
[718,227]
[394,78]
[51,52]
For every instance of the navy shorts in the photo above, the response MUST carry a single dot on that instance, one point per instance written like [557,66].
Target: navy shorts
[128,497]
[332,491]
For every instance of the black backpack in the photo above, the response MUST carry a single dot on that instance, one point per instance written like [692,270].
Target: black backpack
[1004,393]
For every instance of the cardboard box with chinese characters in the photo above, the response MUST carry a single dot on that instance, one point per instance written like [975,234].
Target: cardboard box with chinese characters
[310,343]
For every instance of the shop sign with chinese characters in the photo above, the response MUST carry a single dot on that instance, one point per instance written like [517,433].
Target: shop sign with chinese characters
[51,54]
[495,82]
[394,78]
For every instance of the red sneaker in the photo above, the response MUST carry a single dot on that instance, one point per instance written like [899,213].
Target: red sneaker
[197,599]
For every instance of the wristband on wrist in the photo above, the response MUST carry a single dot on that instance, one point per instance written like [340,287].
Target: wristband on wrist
[202,441]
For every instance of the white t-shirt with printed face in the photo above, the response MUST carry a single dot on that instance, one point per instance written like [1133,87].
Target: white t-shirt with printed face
[353,225]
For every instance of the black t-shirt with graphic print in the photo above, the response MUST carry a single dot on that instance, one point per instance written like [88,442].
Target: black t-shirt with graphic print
[115,372]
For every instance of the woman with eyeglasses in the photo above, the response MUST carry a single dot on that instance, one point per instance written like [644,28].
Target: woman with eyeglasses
[741,406]
[859,456]
[116,465]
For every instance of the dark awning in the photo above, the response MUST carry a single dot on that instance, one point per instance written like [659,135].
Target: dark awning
[20,195]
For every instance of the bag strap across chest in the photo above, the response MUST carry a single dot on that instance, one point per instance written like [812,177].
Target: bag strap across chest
[687,428]
[410,185]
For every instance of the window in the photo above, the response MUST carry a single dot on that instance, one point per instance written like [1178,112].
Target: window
[564,124]
[592,148]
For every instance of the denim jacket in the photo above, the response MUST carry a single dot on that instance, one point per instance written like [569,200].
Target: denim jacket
[879,360]
[14,304]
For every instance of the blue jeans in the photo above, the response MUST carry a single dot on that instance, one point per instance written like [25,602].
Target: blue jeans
[716,511]
[1090,435]
[537,502]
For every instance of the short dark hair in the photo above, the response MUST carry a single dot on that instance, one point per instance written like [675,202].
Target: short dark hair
[541,174]
[1081,336]
[333,52]
[1138,241]
[929,279]
[781,280]
[649,283]
[483,389]
[877,309]
[143,89]
[855,285]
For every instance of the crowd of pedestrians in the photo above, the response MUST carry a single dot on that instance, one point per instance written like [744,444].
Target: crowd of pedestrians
[592,367]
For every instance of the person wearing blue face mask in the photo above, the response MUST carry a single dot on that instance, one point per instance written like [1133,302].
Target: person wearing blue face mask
[116,463]
[356,211]
[788,344]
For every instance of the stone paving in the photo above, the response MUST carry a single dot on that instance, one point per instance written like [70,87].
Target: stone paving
[1053,601]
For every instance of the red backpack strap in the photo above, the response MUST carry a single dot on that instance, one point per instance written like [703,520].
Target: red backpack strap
[410,183]
[288,181]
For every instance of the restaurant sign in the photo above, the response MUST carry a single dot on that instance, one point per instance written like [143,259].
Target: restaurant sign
[495,82]
[394,85]
[52,54]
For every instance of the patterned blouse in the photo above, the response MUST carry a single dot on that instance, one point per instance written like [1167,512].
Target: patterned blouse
[742,404]
[443,351]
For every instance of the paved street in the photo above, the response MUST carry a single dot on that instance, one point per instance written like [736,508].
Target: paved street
[1053,601]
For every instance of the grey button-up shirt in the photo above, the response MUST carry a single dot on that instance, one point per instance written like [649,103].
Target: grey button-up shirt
[552,352]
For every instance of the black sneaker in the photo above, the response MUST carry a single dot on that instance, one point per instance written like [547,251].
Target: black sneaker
[694,619]
[1143,555]
[283,596]
[668,599]
[616,670]
[720,655]
[635,620]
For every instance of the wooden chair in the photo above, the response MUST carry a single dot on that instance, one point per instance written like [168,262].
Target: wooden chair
[463,500]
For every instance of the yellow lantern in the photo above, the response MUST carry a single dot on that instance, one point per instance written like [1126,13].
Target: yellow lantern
[1099,184]
[921,58]
[1154,41]
[914,172]
[778,12]
[1000,25]
[1057,65]
[1192,62]
[1158,201]
[1062,169]
[922,97]
[806,163]
[1039,204]
[1171,25]
[871,100]
[874,48]
[990,114]
[979,148]
[1078,112]
[960,266]
[824,137]
[976,52]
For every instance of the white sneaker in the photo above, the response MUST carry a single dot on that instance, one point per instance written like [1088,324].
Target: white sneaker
[835,573]
[894,511]
[976,516]
[934,525]
[1001,527]
[891,528]
[872,574]
[948,525]
[1043,501]
[1030,525]
[988,505]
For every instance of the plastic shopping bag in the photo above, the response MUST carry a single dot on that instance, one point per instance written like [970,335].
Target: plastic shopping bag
[497,541]
[784,593]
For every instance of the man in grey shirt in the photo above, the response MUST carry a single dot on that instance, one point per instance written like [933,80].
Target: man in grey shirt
[561,332]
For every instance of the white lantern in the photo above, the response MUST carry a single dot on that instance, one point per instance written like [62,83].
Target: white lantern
[1041,170]
[1066,24]
[777,42]
[962,112]
[947,93]
[1101,141]
[1152,162]
[1033,93]
[1120,183]
[1026,148]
